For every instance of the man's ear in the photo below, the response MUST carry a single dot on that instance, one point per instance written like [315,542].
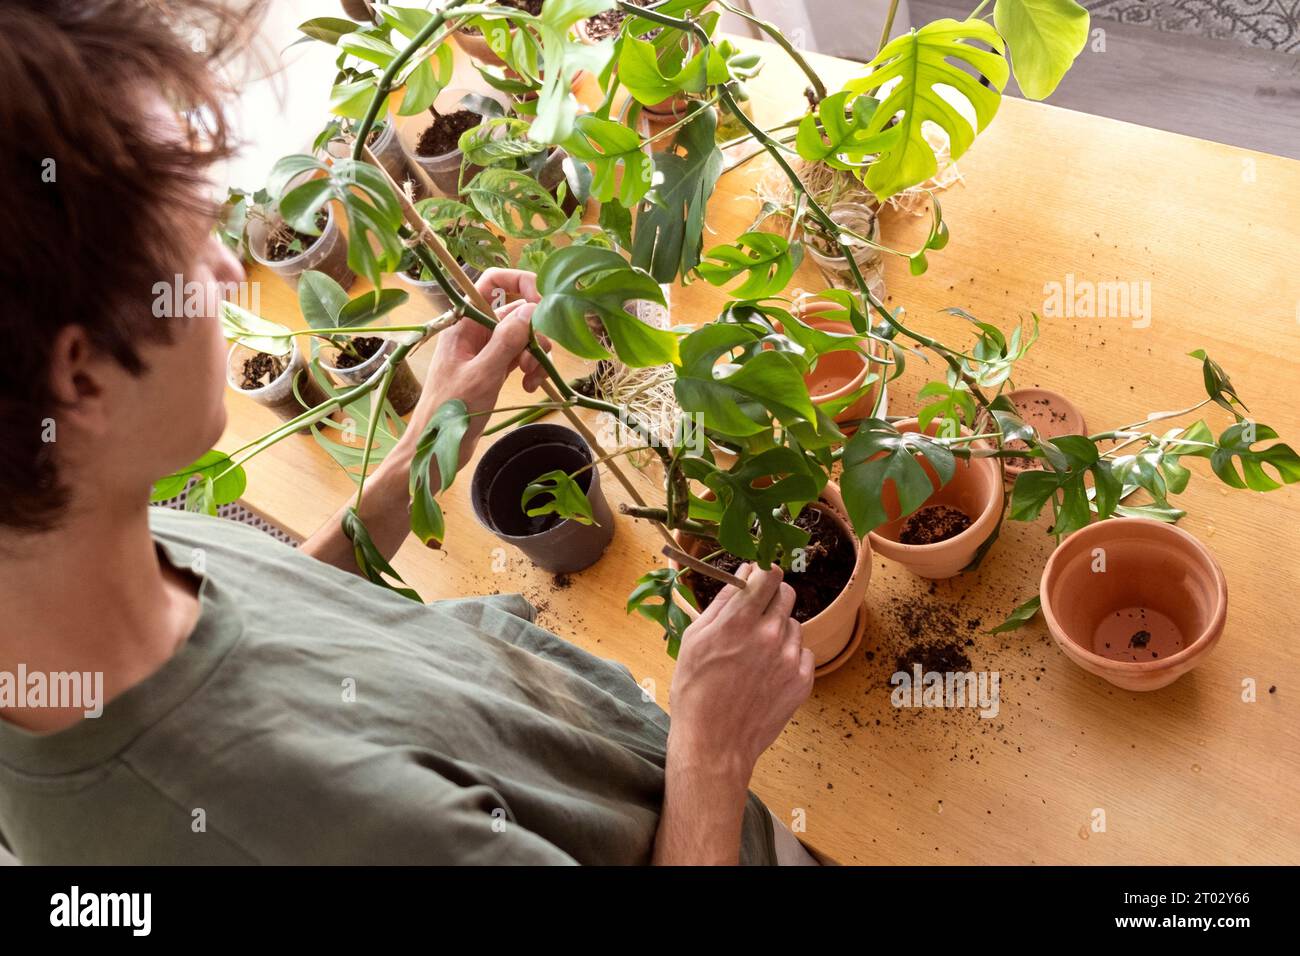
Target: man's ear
[77,381]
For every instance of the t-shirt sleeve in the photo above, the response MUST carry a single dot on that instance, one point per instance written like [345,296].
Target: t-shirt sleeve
[393,808]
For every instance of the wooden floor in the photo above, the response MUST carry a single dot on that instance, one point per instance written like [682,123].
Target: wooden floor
[1219,90]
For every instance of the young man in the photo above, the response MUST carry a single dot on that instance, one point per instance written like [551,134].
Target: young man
[470,735]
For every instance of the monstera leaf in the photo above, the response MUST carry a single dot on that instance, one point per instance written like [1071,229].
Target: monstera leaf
[920,61]
[581,281]
[607,146]
[556,107]
[1044,37]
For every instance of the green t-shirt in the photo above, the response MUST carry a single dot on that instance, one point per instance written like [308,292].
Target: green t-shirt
[312,717]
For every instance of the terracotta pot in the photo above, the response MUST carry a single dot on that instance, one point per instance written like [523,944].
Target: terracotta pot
[403,390]
[1052,414]
[1153,614]
[517,458]
[836,629]
[839,373]
[328,254]
[975,490]
[476,45]
[278,395]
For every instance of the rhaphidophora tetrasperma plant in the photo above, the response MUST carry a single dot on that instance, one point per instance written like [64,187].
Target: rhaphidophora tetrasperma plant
[738,379]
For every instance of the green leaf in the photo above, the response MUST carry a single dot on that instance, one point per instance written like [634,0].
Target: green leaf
[653,598]
[1044,37]
[768,261]
[1217,384]
[372,305]
[320,299]
[408,21]
[919,60]
[371,563]
[351,98]
[825,135]
[369,48]
[581,281]
[223,481]
[556,106]
[439,442]
[515,203]
[565,498]
[1237,442]
[1030,492]
[497,139]
[670,230]
[746,501]
[640,71]
[607,146]
[879,453]
[328,29]
[200,498]
[1020,616]
[374,216]
[254,332]
[422,88]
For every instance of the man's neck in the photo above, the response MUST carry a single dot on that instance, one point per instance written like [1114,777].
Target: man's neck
[91,597]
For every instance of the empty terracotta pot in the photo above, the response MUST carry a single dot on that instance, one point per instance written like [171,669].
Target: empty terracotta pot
[1136,601]
[515,460]
[839,373]
[975,490]
[1051,414]
[831,633]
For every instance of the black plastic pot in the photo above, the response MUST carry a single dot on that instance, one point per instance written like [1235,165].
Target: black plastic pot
[520,457]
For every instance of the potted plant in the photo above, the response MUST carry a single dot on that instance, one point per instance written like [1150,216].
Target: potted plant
[434,146]
[278,379]
[799,486]
[538,489]
[290,249]
[467,238]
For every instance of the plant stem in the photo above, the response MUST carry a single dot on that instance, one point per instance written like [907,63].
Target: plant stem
[376,413]
[660,515]
[889,25]
[779,38]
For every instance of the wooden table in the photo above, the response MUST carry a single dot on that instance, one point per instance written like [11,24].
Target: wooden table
[1189,774]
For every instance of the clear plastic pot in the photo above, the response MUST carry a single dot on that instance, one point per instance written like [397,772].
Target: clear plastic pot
[430,290]
[278,395]
[328,254]
[403,391]
[835,269]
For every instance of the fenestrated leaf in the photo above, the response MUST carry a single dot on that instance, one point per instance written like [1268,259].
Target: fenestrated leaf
[670,230]
[371,563]
[608,146]
[439,442]
[1044,37]
[515,203]
[829,132]
[564,497]
[497,139]
[642,73]
[653,598]
[584,280]
[1238,463]
[744,505]
[879,453]
[767,260]
[919,61]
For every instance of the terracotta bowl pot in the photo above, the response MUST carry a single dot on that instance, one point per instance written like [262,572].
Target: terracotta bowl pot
[829,633]
[838,373]
[1153,614]
[1052,414]
[975,490]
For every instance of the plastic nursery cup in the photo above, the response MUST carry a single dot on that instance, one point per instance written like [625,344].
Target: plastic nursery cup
[870,261]
[833,634]
[975,490]
[1136,601]
[515,460]
[278,395]
[403,391]
[328,254]
[443,169]
[430,290]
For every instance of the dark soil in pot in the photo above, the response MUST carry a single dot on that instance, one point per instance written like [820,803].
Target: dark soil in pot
[443,136]
[933,524]
[261,370]
[829,560]
[366,346]
[605,25]
[280,244]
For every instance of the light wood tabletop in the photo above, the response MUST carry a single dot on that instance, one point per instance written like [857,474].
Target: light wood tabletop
[1071,770]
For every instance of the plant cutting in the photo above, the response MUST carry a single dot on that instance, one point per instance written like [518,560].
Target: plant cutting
[280,382]
[252,223]
[797,490]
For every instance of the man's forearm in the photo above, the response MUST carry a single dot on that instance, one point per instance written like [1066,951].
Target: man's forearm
[704,807]
[385,511]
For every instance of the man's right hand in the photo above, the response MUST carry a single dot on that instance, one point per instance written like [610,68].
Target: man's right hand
[741,674]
